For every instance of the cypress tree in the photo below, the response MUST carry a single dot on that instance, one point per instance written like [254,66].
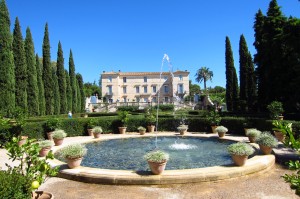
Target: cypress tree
[41,94]
[231,78]
[81,88]
[61,76]
[73,82]
[69,91]
[244,69]
[32,88]
[252,87]
[7,73]
[78,96]
[235,88]
[56,95]
[47,74]
[20,67]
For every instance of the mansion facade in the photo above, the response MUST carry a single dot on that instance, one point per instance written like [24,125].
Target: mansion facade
[144,86]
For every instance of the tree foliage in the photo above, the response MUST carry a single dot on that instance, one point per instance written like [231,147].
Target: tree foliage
[41,93]
[61,77]
[82,95]
[204,74]
[69,91]
[73,82]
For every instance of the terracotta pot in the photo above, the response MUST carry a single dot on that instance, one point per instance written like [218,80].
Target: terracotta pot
[239,160]
[73,162]
[90,133]
[182,132]
[265,149]
[44,151]
[41,195]
[58,142]
[279,135]
[97,135]
[213,129]
[49,135]
[151,128]
[157,167]
[142,132]
[23,140]
[221,134]
[252,139]
[122,130]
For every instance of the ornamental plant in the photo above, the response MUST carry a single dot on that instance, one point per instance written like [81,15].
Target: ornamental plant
[52,124]
[213,117]
[253,133]
[221,129]
[240,148]
[182,127]
[97,129]
[141,128]
[59,134]
[123,116]
[158,156]
[275,109]
[267,139]
[73,151]
[45,143]
[91,123]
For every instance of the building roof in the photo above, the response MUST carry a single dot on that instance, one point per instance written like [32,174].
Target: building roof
[142,73]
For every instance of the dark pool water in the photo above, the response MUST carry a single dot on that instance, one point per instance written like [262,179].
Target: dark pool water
[187,153]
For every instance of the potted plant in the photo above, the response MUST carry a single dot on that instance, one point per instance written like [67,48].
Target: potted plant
[247,125]
[278,132]
[97,130]
[58,136]
[252,134]
[52,124]
[266,142]
[221,130]
[73,153]
[142,130]
[150,119]
[23,139]
[31,171]
[239,152]
[182,129]
[157,161]
[45,146]
[123,116]
[214,119]
[90,125]
[275,110]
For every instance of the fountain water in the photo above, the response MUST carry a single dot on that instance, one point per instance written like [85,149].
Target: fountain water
[182,146]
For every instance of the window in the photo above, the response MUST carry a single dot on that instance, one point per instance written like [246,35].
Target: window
[145,99]
[124,79]
[154,89]
[124,90]
[137,89]
[124,99]
[154,99]
[145,79]
[166,89]
[137,99]
[145,89]
[166,99]
[180,77]
[109,90]
[109,78]
[180,88]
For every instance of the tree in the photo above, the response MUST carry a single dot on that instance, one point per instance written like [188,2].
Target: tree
[40,83]
[56,95]
[47,74]
[20,67]
[252,85]
[231,78]
[7,73]
[80,84]
[61,77]
[69,91]
[78,107]
[32,88]
[91,89]
[73,82]
[204,74]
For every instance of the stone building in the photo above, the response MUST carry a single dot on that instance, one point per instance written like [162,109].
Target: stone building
[144,86]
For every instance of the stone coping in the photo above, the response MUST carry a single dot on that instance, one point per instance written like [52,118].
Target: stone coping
[256,164]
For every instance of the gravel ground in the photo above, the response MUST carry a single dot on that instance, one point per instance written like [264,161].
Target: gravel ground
[264,186]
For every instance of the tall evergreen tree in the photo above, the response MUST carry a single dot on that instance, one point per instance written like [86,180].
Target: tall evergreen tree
[7,73]
[244,70]
[56,95]
[61,76]
[69,91]
[41,93]
[78,97]
[81,88]
[231,78]
[47,74]
[73,82]
[20,67]
[32,88]
[252,86]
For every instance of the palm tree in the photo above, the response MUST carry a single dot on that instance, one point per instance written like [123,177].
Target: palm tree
[204,74]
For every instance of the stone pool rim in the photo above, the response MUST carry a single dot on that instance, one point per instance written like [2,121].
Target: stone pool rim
[255,165]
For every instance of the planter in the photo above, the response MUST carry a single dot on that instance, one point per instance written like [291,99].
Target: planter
[280,117]
[213,129]
[157,167]
[221,134]
[23,140]
[182,132]
[279,135]
[151,128]
[239,160]
[73,162]
[265,149]
[122,130]
[97,135]
[252,139]
[90,133]
[42,195]
[142,132]
[49,135]
[58,142]
[44,151]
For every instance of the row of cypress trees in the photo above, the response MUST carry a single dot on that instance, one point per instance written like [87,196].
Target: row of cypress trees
[26,83]
[277,72]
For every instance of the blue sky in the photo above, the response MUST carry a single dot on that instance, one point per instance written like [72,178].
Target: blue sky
[134,35]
